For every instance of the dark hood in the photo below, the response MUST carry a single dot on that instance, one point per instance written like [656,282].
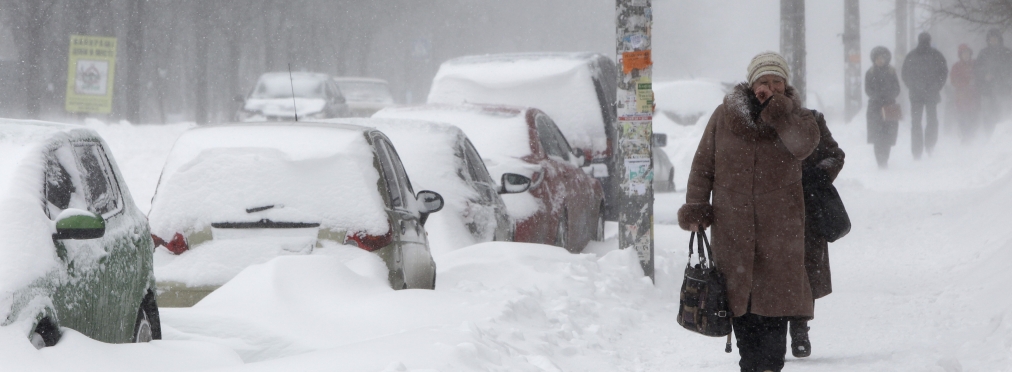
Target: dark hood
[994,32]
[879,51]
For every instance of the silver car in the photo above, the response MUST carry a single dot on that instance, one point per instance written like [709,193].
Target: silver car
[240,194]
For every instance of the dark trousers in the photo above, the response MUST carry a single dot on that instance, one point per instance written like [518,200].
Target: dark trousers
[925,138]
[762,342]
[882,154]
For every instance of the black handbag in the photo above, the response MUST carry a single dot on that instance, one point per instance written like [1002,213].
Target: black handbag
[825,214]
[703,306]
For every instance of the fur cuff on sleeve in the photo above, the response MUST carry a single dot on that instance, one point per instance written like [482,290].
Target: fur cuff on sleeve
[695,213]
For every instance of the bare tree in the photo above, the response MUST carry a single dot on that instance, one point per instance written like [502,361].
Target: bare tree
[979,13]
[27,20]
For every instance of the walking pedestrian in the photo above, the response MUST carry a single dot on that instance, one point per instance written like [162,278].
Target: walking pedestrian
[749,164]
[994,80]
[882,86]
[966,100]
[821,167]
[924,73]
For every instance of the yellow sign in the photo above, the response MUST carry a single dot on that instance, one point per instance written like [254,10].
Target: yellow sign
[90,74]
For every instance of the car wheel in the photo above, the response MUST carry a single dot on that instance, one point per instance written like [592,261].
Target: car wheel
[142,331]
[45,334]
[599,231]
[148,325]
[562,232]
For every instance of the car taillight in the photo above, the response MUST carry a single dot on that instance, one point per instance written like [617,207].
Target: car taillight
[177,245]
[370,242]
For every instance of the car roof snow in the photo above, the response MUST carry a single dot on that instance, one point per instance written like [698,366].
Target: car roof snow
[508,57]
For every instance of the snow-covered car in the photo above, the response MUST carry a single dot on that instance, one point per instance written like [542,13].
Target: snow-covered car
[279,96]
[577,90]
[234,195]
[76,251]
[664,170]
[564,204]
[365,95]
[440,157]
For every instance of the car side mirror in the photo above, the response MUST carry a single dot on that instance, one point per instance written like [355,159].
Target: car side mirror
[429,202]
[582,160]
[513,183]
[659,139]
[79,224]
[239,98]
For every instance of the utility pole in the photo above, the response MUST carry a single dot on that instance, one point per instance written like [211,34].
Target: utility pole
[792,43]
[635,130]
[852,55]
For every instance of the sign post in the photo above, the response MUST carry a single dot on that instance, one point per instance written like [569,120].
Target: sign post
[90,70]
[635,130]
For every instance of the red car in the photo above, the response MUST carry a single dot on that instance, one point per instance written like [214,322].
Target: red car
[564,205]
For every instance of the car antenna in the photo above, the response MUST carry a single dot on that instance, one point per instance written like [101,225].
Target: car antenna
[292,82]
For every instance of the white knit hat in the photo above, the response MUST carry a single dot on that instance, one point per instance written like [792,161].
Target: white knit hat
[768,63]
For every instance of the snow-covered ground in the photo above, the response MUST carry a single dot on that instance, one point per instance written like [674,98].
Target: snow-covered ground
[920,285]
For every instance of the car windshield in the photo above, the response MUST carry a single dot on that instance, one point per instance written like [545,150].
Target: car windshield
[365,91]
[280,86]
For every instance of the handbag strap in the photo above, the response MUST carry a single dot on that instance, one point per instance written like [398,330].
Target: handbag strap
[701,241]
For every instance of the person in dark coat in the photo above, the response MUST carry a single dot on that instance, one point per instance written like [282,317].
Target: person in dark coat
[925,72]
[745,182]
[994,80]
[966,98]
[821,167]
[882,86]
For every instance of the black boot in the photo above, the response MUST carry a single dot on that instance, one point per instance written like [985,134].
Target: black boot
[800,345]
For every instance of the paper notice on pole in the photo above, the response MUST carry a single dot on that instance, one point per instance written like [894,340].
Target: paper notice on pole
[639,174]
[644,96]
[638,60]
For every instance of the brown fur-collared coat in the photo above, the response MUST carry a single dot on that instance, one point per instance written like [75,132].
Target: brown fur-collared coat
[749,160]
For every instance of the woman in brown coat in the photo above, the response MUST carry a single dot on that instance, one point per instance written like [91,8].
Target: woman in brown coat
[749,160]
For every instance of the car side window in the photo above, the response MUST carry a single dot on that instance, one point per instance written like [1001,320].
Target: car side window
[100,186]
[402,177]
[549,139]
[560,139]
[389,175]
[475,166]
[62,184]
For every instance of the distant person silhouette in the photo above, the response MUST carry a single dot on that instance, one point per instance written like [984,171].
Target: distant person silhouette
[994,80]
[967,102]
[924,73]
[882,86]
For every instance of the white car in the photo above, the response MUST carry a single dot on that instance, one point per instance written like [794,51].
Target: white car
[441,158]
[283,96]
[365,96]
[234,195]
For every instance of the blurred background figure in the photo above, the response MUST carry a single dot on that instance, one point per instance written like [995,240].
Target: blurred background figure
[924,73]
[994,78]
[967,102]
[882,86]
